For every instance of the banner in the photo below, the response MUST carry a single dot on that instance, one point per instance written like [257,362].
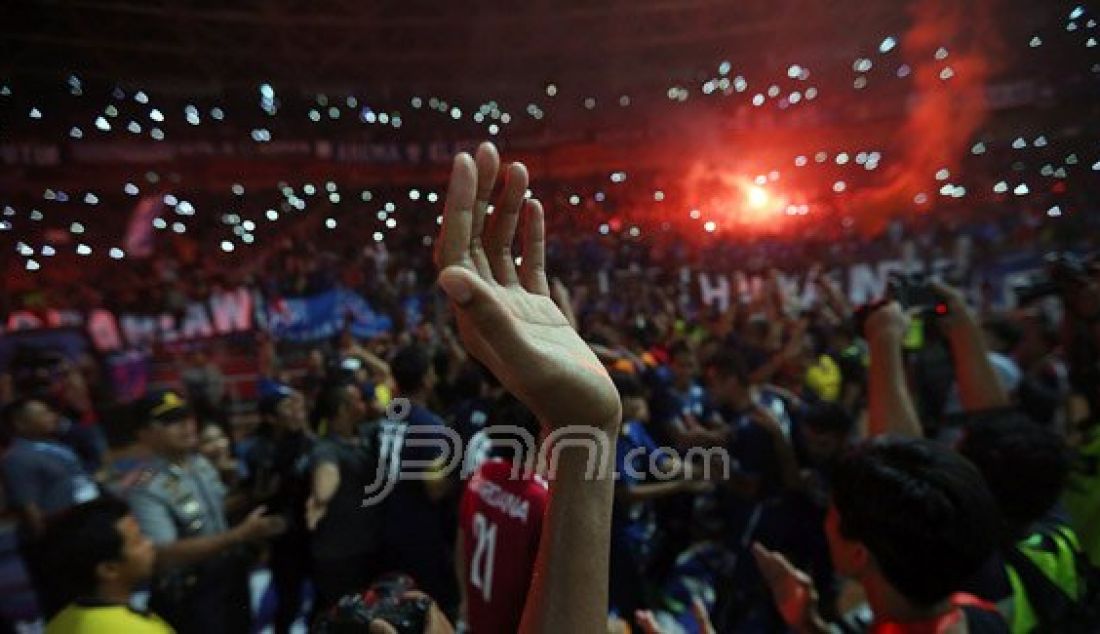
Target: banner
[224,312]
[862,282]
[323,316]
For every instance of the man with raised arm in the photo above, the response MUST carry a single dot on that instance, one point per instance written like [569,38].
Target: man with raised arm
[909,519]
[508,321]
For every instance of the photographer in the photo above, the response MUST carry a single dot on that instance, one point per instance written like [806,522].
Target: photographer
[910,519]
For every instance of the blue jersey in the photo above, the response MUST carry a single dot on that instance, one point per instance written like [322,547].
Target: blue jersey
[634,525]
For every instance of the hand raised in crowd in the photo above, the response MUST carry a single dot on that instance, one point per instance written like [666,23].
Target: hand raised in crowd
[792,590]
[259,526]
[887,323]
[506,318]
[796,341]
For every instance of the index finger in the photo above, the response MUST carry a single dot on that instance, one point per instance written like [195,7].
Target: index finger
[458,214]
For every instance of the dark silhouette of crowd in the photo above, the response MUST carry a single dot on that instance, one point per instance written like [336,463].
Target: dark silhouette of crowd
[538,454]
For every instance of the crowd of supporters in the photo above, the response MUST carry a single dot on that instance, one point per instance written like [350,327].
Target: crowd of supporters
[919,463]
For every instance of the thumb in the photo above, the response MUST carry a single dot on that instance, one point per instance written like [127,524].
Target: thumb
[257,512]
[474,299]
[460,284]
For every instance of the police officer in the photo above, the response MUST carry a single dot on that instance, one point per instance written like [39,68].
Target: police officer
[202,563]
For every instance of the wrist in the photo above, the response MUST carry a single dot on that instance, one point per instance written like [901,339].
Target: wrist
[885,339]
[235,536]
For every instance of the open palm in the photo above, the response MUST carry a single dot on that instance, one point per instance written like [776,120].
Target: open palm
[792,590]
[506,318]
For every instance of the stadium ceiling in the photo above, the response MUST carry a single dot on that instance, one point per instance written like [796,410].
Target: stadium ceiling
[470,48]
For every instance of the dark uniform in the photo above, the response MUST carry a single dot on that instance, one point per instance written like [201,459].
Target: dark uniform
[279,468]
[173,502]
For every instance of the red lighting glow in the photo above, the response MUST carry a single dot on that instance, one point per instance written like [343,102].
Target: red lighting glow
[758,197]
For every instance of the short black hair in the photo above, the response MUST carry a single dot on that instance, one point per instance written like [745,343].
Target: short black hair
[508,411]
[1026,465]
[923,511]
[76,541]
[628,385]
[679,347]
[329,401]
[728,362]
[829,418]
[410,367]
[13,411]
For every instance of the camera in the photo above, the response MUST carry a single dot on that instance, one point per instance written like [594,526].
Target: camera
[1063,273]
[914,293]
[385,600]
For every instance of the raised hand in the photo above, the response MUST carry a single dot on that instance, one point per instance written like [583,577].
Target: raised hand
[506,318]
[888,322]
[792,590]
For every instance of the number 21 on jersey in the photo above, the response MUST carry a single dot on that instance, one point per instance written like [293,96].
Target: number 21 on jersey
[481,565]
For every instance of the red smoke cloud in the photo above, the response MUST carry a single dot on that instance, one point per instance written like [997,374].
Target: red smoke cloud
[944,113]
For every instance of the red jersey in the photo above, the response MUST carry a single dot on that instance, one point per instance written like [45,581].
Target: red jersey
[501,520]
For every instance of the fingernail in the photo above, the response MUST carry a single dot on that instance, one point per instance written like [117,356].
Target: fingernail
[456,288]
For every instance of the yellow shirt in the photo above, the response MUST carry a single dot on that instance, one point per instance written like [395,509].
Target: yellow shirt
[824,378]
[106,619]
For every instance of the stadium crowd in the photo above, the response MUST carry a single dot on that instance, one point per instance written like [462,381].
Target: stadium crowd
[915,464]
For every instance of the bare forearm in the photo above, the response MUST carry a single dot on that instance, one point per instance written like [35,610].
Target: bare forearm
[890,407]
[326,479]
[569,589]
[379,369]
[979,387]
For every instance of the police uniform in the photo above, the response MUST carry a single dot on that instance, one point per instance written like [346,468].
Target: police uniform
[174,502]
